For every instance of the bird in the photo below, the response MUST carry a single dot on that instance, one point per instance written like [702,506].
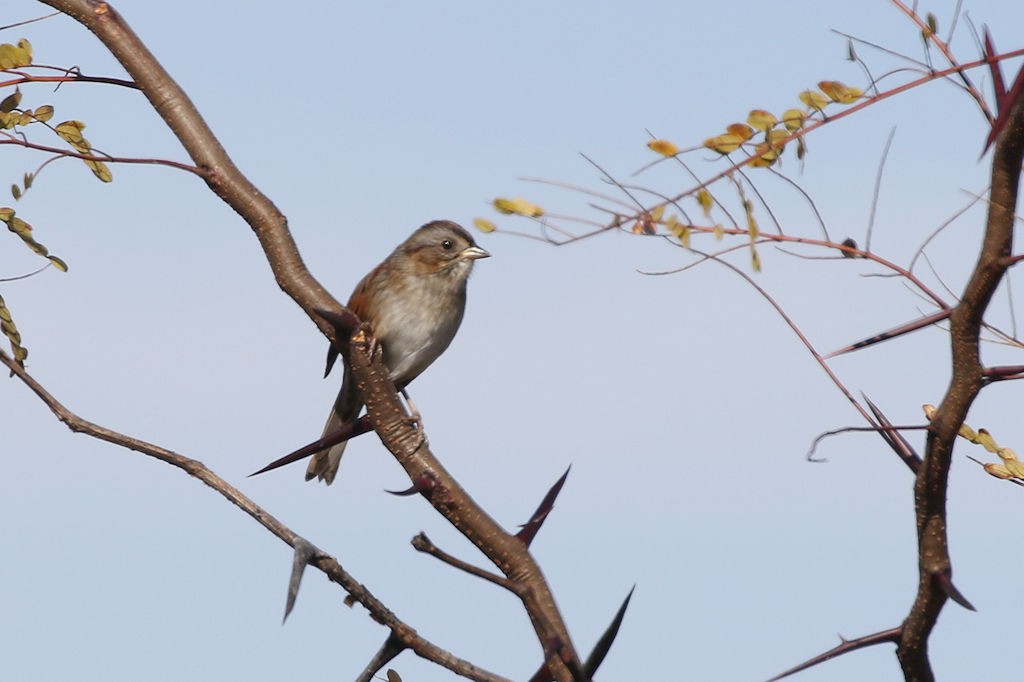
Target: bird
[413,302]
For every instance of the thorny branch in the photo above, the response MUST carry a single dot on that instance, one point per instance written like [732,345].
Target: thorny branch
[322,562]
[967,380]
[270,227]
[965,314]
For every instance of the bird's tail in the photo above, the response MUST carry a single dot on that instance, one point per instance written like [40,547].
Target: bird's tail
[324,465]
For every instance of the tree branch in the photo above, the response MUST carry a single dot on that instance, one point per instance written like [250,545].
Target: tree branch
[409,446]
[383,406]
[328,565]
[966,382]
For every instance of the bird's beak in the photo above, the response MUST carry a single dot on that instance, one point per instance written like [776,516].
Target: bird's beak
[473,253]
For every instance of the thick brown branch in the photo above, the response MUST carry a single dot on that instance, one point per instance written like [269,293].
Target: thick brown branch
[270,227]
[967,380]
[219,171]
[409,445]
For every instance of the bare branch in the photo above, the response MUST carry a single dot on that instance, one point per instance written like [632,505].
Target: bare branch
[304,549]
[423,544]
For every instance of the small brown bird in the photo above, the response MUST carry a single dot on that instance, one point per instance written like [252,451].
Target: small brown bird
[413,302]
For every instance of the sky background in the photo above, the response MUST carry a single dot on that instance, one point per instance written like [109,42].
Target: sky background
[683,403]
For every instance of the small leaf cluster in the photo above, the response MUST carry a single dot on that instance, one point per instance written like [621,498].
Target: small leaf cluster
[8,328]
[1011,467]
[24,230]
[13,115]
[774,131]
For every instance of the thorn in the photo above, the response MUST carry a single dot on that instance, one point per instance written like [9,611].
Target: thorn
[895,439]
[424,483]
[332,357]
[894,332]
[944,580]
[347,431]
[1005,100]
[604,644]
[304,552]
[344,324]
[1004,372]
[530,528]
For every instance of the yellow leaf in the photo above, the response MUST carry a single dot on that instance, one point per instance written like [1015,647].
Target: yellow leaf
[724,144]
[15,56]
[657,213]
[766,155]
[58,263]
[838,92]
[100,170]
[985,440]
[684,236]
[663,147]
[1015,467]
[748,208]
[775,137]
[1007,455]
[760,119]
[518,207]
[706,202]
[71,132]
[793,119]
[678,230]
[755,260]
[43,113]
[19,227]
[998,470]
[6,213]
[741,129]
[485,226]
[719,232]
[813,99]
[11,102]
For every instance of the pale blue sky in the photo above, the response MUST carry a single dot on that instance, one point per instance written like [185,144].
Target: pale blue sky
[683,403]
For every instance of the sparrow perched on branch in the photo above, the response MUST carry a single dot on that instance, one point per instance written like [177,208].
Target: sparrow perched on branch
[413,302]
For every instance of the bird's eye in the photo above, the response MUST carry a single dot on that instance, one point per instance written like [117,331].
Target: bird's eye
[447,245]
